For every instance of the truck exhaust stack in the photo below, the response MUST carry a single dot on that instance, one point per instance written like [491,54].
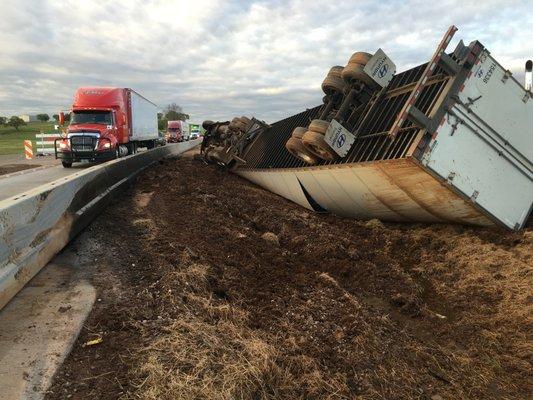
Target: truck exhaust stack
[529,75]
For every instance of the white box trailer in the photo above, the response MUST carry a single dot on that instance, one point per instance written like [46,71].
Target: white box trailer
[447,141]
[483,147]
[143,117]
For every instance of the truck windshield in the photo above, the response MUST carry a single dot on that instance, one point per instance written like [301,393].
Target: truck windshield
[91,117]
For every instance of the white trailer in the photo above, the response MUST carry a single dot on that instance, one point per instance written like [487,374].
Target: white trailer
[143,118]
[448,141]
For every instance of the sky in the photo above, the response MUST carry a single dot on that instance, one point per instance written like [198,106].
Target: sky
[218,59]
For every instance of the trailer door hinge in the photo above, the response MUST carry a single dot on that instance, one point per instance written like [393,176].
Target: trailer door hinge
[451,175]
[448,64]
[455,124]
[506,75]
[526,97]
[474,196]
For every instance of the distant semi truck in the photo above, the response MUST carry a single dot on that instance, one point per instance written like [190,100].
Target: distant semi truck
[107,123]
[177,131]
[194,129]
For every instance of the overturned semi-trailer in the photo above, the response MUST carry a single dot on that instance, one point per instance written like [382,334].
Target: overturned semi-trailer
[450,140]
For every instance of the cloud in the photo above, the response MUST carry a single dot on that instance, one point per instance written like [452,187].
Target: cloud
[218,59]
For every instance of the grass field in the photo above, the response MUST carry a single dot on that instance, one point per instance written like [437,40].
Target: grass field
[12,141]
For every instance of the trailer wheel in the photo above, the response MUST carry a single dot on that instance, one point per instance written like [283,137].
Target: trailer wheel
[237,126]
[298,150]
[355,72]
[298,132]
[66,164]
[360,57]
[315,143]
[207,124]
[333,82]
[319,126]
[222,129]
[150,145]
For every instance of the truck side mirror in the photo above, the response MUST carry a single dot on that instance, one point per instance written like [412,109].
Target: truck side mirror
[61,118]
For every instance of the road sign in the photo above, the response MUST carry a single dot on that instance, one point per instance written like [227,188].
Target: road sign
[28,149]
[339,138]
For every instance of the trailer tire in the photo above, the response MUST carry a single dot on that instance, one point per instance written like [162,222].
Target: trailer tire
[222,129]
[207,124]
[298,132]
[360,57]
[333,82]
[332,85]
[315,143]
[237,126]
[298,150]
[355,72]
[66,164]
[319,126]
[150,145]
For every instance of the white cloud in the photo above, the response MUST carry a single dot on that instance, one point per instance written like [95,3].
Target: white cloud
[222,58]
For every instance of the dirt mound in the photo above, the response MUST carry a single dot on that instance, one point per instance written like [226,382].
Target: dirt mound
[213,288]
[10,168]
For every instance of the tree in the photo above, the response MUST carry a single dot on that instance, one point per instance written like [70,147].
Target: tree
[3,121]
[55,117]
[162,124]
[173,112]
[43,117]
[15,122]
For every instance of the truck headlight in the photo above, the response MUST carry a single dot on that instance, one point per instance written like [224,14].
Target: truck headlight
[106,145]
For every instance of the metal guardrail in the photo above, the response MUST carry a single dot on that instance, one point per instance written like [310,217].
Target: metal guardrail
[44,144]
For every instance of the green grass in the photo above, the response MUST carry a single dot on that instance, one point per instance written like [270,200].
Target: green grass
[12,141]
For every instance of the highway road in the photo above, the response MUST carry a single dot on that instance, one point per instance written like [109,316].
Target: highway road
[14,184]
[19,182]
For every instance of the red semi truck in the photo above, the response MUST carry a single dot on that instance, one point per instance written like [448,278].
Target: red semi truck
[107,123]
[177,131]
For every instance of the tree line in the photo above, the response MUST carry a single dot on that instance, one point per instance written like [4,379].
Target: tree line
[172,112]
[16,122]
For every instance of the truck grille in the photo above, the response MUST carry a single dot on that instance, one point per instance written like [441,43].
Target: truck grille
[83,143]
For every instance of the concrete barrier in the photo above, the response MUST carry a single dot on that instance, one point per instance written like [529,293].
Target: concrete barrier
[37,224]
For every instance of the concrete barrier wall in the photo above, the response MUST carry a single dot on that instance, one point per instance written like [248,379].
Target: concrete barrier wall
[37,224]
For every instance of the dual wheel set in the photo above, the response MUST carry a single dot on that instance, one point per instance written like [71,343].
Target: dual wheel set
[236,125]
[225,132]
[308,144]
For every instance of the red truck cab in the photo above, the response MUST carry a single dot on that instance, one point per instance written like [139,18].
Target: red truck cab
[173,134]
[177,131]
[107,123]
